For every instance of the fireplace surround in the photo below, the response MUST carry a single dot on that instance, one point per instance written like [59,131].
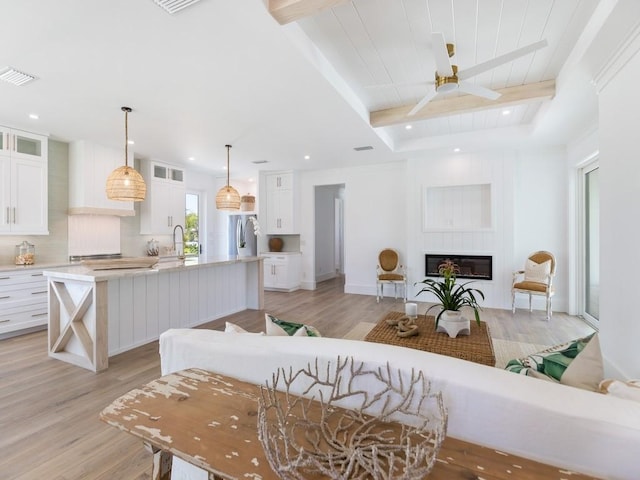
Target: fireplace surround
[475,267]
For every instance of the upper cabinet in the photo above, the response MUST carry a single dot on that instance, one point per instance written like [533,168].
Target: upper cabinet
[165,205]
[281,203]
[24,183]
[90,165]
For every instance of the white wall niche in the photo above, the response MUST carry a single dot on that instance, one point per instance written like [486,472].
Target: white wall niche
[457,208]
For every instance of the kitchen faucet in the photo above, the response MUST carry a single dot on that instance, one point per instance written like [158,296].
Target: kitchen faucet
[180,254]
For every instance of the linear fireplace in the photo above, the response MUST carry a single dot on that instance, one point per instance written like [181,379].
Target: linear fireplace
[477,267]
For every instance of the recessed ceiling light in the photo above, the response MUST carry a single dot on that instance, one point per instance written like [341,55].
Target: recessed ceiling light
[191,159]
[251,180]
[131,142]
[224,167]
[456,149]
[34,116]
[307,157]
[506,112]
[408,127]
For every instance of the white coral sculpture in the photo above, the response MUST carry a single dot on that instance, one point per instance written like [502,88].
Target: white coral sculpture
[348,421]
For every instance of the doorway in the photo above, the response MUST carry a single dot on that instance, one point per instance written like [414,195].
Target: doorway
[329,231]
[590,202]
[192,228]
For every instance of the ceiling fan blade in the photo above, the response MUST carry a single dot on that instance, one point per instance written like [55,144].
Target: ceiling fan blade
[426,99]
[478,91]
[497,61]
[441,55]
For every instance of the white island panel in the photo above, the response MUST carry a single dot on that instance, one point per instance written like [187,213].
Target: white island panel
[96,314]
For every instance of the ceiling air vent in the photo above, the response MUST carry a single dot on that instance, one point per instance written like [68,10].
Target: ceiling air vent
[258,162]
[360,149]
[173,6]
[15,77]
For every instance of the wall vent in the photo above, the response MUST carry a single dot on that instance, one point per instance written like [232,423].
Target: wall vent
[173,6]
[258,162]
[15,77]
[360,149]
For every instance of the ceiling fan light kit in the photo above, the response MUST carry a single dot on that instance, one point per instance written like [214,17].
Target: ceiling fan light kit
[125,183]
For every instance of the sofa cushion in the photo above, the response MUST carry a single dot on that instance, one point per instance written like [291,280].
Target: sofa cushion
[233,328]
[277,327]
[577,363]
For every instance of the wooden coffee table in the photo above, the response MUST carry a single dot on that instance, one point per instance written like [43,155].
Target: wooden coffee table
[476,347]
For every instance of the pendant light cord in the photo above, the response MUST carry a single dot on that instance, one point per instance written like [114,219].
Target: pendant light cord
[126,111]
[228,148]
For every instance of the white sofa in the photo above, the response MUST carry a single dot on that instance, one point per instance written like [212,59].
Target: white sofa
[560,425]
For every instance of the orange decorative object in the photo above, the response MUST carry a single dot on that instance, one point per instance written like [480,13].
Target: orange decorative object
[275,244]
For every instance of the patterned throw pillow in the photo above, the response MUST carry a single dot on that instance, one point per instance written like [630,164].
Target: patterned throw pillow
[275,326]
[577,363]
[537,272]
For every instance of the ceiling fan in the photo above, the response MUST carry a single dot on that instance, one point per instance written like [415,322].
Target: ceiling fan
[449,79]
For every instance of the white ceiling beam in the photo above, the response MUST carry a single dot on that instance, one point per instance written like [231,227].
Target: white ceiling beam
[518,95]
[287,11]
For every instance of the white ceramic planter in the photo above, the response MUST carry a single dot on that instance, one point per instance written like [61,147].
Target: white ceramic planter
[453,323]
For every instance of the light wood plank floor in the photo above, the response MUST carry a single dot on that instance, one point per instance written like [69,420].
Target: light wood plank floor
[49,427]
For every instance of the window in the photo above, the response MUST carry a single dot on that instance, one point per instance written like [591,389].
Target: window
[192,225]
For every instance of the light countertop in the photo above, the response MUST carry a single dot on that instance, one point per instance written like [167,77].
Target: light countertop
[81,272]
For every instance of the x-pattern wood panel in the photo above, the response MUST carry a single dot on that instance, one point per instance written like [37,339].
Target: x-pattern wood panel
[70,318]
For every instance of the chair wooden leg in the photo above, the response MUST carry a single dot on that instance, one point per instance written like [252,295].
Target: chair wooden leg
[513,301]
[530,307]
[378,291]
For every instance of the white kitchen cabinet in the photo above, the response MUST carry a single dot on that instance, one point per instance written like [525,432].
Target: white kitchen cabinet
[20,144]
[90,165]
[281,203]
[23,300]
[24,183]
[282,271]
[164,207]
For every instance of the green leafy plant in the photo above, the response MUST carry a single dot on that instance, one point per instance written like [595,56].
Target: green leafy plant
[452,295]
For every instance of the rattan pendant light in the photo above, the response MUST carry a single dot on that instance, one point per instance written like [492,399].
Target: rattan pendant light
[228,197]
[125,183]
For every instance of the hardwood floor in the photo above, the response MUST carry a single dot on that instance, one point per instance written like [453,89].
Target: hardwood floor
[49,409]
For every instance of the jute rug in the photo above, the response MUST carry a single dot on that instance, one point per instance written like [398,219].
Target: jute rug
[504,350]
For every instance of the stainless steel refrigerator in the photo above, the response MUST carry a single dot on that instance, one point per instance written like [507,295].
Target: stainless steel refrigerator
[234,233]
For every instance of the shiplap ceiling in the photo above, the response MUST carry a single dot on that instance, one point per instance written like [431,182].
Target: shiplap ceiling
[278,88]
[383,50]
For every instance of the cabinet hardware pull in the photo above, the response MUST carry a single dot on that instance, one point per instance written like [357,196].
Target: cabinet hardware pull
[38,293]
[39,314]
[14,215]
[5,297]
[5,278]
[37,274]
[4,321]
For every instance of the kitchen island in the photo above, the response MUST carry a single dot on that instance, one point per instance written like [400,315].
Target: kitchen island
[94,314]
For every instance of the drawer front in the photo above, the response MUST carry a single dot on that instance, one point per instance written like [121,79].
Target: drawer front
[20,291]
[23,316]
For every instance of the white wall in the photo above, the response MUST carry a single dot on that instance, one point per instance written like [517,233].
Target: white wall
[374,218]
[619,105]
[384,208]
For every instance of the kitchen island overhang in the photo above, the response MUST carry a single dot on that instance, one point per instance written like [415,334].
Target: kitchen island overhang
[95,314]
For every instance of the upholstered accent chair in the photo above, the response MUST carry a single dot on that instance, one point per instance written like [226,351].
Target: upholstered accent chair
[535,279]
[390,271]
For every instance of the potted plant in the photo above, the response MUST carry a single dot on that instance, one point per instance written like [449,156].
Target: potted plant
[452,296]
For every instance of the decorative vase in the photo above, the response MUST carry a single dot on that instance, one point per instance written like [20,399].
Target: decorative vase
[275,244]
[244,252]
[453,324]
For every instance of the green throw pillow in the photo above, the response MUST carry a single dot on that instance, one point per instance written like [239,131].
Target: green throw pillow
[567,363]
[276,326]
